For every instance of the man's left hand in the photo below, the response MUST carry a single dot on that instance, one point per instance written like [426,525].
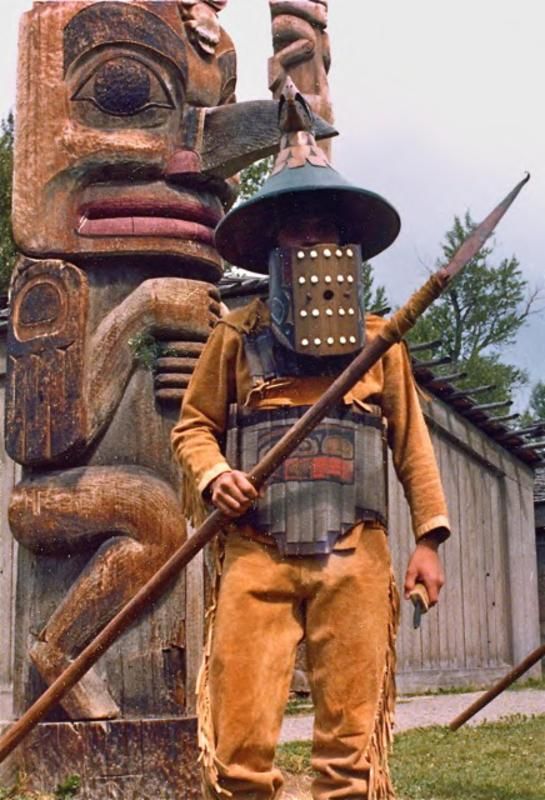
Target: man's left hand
[425,567]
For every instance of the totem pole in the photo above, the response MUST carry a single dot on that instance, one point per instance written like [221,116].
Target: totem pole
[128,135]
[301,50]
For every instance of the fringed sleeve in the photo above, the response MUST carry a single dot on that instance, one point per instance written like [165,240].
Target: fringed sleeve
[221,377]
[409,440]
[197,436]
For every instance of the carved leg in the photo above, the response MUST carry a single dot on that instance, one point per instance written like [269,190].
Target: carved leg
[136,520]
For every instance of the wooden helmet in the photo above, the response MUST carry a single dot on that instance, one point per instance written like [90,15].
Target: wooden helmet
[303,182]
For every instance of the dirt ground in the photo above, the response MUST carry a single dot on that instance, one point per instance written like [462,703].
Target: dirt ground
[297,789]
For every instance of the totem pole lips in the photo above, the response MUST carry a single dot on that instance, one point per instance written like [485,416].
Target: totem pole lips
[187,218]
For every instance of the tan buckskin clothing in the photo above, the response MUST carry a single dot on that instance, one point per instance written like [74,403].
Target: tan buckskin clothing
[345,604]
[221,378]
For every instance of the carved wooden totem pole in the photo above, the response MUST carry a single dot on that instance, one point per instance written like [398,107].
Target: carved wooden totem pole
[127,138]
[301,50]
[128,135]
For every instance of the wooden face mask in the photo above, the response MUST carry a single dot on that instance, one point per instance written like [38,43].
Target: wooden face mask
[316,299]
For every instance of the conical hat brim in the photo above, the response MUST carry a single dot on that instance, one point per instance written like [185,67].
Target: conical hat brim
[249,232]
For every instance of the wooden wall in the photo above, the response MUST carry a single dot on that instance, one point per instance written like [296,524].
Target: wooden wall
[541,579]
[488,617]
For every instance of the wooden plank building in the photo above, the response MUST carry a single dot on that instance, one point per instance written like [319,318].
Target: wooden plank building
[539,498]
[488,615]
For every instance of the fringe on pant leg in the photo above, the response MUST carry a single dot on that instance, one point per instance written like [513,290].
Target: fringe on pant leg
[380,784]
[195,510]
[206,733]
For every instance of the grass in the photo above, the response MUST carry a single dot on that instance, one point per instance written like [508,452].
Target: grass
[496,761]
[299,704]
[528,683]
[531,683]
[302,704]
[65,790]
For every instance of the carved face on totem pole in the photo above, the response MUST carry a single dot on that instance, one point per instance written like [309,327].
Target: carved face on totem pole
[111,153]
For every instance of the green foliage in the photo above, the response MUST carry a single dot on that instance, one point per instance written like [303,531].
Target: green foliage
[66,789]
[253,177]
[537,400]
[7,247]
[147,349]
[491,371]
[294,758]
[299,705]
[481,312]
[496,761]
[528,683]
[374,297]
[536,407]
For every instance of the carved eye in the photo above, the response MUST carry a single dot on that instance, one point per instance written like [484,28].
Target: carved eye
[124,86]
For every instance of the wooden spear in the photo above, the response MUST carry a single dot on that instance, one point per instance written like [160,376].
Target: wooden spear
[394,330]
[499,687]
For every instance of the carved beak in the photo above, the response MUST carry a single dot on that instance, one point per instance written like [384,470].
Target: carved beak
[228,138]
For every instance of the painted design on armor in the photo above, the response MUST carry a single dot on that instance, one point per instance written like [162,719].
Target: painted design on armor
[324,455]
[321,490]
[316,299]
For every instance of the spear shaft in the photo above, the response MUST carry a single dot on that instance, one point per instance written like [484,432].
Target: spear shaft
[498,688]
[394,330]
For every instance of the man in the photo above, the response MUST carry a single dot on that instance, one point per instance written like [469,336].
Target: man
[310,558]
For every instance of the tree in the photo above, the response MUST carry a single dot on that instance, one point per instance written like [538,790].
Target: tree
[536,407]
[537,401]
[253,177]
[8,252]
[374,297]
[481,312]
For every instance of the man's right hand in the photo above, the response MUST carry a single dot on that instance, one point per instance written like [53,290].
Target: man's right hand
[233,493]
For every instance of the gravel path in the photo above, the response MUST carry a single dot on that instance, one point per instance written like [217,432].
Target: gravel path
[425,710]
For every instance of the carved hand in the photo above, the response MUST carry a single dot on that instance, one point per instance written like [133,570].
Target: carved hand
[178,356]
[178,312]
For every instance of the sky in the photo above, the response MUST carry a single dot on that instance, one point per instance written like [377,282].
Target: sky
[440,108]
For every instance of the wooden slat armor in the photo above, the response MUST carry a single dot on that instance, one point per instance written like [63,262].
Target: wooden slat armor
[334,479]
